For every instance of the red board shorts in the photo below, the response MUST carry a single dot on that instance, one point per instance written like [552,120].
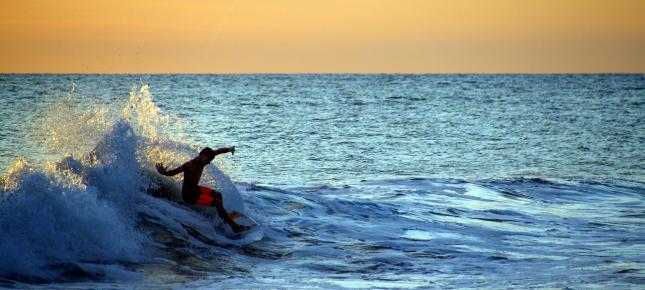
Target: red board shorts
[208,196]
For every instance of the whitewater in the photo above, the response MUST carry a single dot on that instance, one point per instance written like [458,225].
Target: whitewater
[379,181]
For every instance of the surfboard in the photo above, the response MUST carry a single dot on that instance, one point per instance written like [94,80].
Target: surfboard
[170,189]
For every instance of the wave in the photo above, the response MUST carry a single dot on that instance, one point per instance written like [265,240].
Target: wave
[90,214]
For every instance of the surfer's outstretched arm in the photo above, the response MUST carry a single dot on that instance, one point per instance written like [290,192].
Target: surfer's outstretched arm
[163,171]
[224,150]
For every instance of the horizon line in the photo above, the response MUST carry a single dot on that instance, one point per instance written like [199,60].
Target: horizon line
[322,73]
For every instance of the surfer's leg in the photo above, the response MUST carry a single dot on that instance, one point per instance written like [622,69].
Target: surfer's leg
[210,197]
[221,211]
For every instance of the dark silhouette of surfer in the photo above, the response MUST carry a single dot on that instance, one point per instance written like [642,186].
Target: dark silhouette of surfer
[195,194]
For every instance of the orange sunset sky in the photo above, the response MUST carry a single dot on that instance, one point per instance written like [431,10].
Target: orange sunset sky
[322,36]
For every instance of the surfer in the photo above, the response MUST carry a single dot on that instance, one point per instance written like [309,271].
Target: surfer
[195,194]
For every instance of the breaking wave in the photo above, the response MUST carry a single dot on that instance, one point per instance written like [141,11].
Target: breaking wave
[90,214]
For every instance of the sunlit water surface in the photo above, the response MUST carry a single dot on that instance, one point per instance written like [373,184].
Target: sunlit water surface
[386,181]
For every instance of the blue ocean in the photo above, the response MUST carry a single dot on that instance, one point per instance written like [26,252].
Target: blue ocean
[357,181]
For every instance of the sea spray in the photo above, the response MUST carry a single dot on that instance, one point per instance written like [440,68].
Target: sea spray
[56,217]
[80,214]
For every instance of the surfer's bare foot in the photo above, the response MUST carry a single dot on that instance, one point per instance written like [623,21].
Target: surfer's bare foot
[240,228]
[234,214]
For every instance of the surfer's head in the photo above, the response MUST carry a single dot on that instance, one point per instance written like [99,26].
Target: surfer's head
[206,155]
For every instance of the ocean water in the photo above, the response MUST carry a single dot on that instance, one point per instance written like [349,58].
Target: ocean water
[358,181]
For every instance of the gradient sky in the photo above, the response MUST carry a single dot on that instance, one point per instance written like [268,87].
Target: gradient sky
[322,36]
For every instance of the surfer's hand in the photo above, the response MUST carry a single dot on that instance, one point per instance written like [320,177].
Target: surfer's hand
[233,150]
[160,168]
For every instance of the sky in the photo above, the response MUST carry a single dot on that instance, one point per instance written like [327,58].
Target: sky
[322,36]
